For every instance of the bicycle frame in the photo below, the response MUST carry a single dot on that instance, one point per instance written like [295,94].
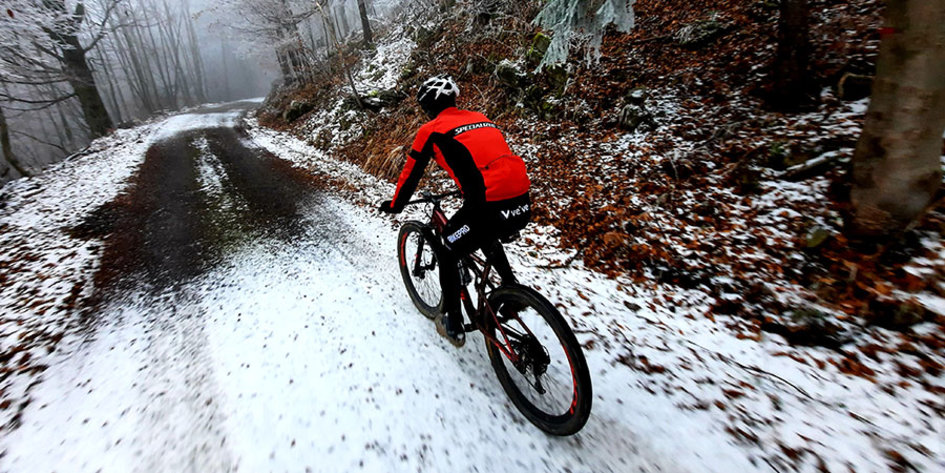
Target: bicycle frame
[478,315]
[498,313]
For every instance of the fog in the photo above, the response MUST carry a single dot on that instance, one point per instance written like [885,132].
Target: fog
[146,58]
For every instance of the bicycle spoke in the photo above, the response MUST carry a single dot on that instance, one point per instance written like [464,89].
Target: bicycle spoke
[420,270]
[545,380]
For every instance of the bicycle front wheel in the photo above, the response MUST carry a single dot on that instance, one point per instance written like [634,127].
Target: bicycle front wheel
[420,269]
[538,360]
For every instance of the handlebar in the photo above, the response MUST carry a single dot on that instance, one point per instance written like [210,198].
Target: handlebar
[428,198]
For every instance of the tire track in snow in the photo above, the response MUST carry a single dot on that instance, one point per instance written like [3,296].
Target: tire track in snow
[166,402]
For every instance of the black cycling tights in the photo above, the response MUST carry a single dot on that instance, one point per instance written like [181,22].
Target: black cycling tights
[449,274]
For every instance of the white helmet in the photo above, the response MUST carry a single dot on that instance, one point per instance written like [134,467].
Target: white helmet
[437,93]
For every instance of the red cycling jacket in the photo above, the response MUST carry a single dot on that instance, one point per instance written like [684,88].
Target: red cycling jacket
[474,153]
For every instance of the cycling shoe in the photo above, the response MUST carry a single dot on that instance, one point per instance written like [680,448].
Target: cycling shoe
[456,337]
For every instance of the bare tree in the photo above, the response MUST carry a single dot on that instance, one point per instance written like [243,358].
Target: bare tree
[341,58]
[790,88]
[896,166]
[365,24]
[200,82]
[275,22]
[40,44]
[341,17]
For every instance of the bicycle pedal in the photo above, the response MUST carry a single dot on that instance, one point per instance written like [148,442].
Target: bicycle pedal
[470,328]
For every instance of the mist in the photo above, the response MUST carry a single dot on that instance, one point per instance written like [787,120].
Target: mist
[145,57]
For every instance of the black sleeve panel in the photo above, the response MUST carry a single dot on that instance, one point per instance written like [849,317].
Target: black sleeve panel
[408,186]
[460,160]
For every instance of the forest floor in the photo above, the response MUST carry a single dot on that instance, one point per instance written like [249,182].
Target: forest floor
[660,167]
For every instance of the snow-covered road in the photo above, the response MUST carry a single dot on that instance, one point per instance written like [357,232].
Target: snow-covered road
[291,357]
[291,351]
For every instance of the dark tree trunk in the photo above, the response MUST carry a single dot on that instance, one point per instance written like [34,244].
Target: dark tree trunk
[77,70]
[284,66]
[326,26]
[82,82]
[86,91]
[6,148]
[790,88]
[896,166]
[365,24]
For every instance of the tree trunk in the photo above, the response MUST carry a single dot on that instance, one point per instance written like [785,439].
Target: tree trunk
[896,166]
[325,28]
[114,93]
[365,24]
[226,73]
[311,35]
[342,13]
[6,148]
[77,71]
[168,100]
[142,67]
[790,71]
[341,59]
[83,83]
[196,58]
[128,62]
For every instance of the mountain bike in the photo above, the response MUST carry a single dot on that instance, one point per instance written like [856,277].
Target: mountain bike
[534,353]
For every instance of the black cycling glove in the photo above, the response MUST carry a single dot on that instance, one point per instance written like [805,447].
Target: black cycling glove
[386,208]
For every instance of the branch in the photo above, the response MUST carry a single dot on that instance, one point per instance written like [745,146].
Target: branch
[18,54]
[40,141]
[812,167]
[756,370]
[102,26]
[33,82]
[45,103]
[565,264]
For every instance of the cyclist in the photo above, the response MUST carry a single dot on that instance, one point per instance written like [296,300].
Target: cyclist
[493,182]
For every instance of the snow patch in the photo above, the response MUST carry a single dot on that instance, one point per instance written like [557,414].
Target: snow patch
[387,64]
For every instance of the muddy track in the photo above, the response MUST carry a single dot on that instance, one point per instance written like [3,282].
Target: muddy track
[170,227]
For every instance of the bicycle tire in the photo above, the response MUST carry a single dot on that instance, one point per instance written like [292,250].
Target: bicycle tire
[411,244]
[575,415]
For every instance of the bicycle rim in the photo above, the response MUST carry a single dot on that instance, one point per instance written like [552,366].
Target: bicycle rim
[547,377]
[419,269]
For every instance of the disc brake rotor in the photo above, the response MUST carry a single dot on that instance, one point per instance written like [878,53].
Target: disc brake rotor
[531,354]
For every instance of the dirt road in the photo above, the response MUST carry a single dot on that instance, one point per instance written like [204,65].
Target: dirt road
[247,319]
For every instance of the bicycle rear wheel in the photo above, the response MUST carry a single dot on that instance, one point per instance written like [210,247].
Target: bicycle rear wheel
[538,360]
[420,269]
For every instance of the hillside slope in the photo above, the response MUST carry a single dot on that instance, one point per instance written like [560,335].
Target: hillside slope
[659,166]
